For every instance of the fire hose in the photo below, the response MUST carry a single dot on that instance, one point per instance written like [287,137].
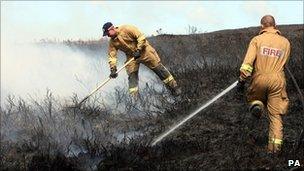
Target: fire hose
[162,136]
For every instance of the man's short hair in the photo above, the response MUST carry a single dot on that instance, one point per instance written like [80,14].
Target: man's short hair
[268,21]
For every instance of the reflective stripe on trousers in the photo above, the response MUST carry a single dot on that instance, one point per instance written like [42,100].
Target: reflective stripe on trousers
[162,72]
[133,90]
[133,82]
[168,79]
[275,141]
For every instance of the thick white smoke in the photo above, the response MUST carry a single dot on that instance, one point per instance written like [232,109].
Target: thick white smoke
[29,69]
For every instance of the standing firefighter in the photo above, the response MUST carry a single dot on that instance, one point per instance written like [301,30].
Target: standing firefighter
[133,43]
[265,59]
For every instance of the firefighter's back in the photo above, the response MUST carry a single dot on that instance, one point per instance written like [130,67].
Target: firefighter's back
[272,52]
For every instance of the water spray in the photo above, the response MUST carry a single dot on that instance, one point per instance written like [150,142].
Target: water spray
[162,136]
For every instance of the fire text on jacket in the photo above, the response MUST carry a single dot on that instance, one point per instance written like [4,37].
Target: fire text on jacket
[269,51]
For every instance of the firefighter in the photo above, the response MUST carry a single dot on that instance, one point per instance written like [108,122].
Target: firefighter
[265,59]
[133,43]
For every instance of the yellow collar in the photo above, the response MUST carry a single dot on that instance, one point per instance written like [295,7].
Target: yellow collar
[270,30]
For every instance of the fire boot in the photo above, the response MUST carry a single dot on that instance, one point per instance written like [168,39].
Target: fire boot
[174,88]
[256,108]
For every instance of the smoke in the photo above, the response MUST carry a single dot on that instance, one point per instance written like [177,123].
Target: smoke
[29,69]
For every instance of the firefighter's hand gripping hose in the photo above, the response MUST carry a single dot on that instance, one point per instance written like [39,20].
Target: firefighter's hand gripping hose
[113,72]
[162,136]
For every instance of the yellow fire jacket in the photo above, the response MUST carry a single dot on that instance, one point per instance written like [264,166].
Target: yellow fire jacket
[267,53]
[128,40]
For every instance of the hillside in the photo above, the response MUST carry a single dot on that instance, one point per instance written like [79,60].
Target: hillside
[100,137]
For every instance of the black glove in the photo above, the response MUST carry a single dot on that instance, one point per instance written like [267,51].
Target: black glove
[113,72]
[240,87]
[136,54]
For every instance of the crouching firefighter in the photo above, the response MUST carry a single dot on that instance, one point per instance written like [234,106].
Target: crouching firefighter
[133,43]
[265,59]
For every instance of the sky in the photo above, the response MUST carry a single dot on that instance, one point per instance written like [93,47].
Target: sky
[35,20]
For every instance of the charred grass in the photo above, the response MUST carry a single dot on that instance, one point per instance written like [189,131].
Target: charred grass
[45,135]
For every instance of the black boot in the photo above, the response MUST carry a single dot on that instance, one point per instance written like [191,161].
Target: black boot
[176,91]
[256,109]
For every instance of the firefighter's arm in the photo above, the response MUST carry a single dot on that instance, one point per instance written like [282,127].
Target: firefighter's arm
[112,55]
[247,66]
[139,36]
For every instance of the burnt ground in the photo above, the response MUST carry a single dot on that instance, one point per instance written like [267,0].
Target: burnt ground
[223,136]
